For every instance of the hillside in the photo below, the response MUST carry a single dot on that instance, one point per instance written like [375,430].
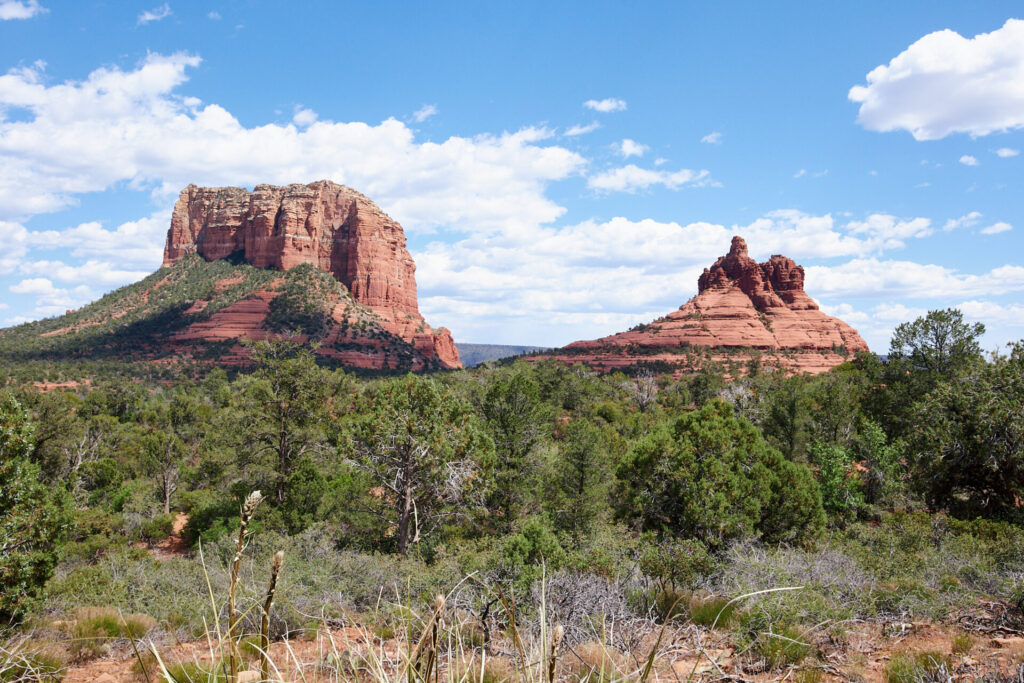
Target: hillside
[239,265]
[199,311]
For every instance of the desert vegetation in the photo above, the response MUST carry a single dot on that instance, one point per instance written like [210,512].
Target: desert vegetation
[519,521]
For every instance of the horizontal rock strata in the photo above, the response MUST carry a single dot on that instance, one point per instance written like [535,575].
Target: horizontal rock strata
[740,305]
[330,226]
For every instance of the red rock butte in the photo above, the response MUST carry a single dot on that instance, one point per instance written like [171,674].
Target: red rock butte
[327,225]
[742,309]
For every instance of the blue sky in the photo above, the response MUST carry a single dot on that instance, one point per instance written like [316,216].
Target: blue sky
[563,170]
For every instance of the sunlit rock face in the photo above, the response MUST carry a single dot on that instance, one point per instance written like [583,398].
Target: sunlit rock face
[330,226]
[740,305]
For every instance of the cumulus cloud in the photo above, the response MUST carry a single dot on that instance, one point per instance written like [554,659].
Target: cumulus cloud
[631,148]
[424,113]
[20,9]
[131,127]
[304,117]
[1007,152]
[598,277]
[968,160]
[631,178]
[606,106]
[966,221]
[94,272]
[945,83]
[14,238]
[991,312]
[137,245]
[713,138]
[890,278]
[801,173]
[155,14]
[996,228]
[213,16]
[582,130]
[52,300]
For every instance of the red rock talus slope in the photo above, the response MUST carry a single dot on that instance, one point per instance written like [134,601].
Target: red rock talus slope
[330,226]
[743,309]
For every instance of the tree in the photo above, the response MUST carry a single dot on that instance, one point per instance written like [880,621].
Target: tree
[175,430]
[786,418]
[940,342]
[580,472]
[643,389]
[425,448]
[34,517]
[967,449]
[282,409]
[711,476]
[922,354]
[515,420]
[840,492]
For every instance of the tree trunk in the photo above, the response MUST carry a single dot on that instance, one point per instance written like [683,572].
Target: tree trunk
[404,520]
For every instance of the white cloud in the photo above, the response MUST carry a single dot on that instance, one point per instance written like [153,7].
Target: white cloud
[968,160]
[713,138]
[989,312]
[883,231]
[606,105]
[20,9]
[214,15]
[874,277]
[631,178]
[14,238]
[996,228]
[582,130]
[630,148]
[131,127]
[137,245]
[51,300]
[1007,152]
[967,221]
[155,14]
[945,83]
[801,173]
[424,113]
[93,272]
[304,117]
[601,277]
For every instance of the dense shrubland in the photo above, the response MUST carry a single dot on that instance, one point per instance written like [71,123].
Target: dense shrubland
[884,488]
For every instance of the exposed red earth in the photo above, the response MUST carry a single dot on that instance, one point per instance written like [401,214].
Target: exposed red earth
[743,309]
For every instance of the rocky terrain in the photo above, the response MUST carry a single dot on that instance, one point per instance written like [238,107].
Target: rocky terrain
[320,258]
[743,310]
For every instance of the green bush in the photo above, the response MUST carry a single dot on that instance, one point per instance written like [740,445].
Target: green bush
[711,476]
[34,517]
[157,529]
[678,563]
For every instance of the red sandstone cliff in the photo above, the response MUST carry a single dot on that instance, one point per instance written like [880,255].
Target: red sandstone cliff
[330,226]
[740,304]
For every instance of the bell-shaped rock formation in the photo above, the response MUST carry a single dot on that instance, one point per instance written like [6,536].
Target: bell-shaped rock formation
[743,309]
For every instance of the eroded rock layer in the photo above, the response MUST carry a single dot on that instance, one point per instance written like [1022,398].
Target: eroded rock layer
[330,226]
[742,309]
